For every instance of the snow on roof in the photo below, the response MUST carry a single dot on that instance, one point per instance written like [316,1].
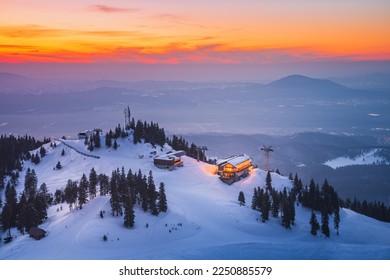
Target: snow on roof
[234,160]
[171,155]
[177,153]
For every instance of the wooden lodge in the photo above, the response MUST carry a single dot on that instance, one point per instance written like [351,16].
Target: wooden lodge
[170,160]
[37,233]
[234,168]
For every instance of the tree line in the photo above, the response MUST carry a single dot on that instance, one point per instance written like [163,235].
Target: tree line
[29,208]
[13,151]
[179,143]
[281,204]
[149,133]
[126,189]
[373,209]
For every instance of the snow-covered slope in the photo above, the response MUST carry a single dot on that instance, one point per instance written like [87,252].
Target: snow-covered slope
[367,158]
[204,219]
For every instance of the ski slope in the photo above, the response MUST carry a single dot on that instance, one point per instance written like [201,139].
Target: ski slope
[203,221]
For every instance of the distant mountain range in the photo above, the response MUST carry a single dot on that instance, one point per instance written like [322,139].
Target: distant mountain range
[17,84]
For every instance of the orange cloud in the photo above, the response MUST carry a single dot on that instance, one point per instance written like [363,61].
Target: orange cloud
[111,9]
[33,43]
[30,31]
[174,54]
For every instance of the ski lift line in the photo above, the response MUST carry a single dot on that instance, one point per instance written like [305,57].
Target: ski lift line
[80,152]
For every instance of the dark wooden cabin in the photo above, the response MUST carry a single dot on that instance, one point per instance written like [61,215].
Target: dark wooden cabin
[37,233]
[170,160]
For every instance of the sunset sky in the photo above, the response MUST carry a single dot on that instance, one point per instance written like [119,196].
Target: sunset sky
[170,32]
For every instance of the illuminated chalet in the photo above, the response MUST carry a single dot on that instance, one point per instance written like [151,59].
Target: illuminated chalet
[234,168]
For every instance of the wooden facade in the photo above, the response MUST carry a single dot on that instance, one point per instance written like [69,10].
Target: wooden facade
[234,168]
[37,233]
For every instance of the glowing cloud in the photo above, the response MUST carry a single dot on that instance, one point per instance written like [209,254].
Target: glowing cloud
[111,9]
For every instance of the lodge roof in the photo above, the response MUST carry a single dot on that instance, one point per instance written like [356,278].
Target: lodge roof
[233,160]
[171,155]
[36,232]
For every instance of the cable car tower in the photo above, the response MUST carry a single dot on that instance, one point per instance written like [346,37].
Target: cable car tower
[266,151]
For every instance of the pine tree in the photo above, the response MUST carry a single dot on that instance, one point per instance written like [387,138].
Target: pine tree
[129,215]
[291,199]
[93,181]
[254,204]
[42,151]
[275,203]
[162,199]
[325,224]
[122,185]
[143,191]
[104,183]
[315,226]
[58,166]
[22,210]
[116,208]
[115,146]
[336,221]
[59,196]
[9,213]
[265,207]
[268,182]
[71,193]
[82,191]
[152,195]
[132,185]
[41,204]
[286,210]
[35,159]
[96,139]
[108,140]
[241,198]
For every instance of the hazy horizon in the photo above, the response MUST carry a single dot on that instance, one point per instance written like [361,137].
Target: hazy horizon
[194,72]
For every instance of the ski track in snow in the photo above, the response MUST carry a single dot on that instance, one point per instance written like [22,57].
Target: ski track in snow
[204,219]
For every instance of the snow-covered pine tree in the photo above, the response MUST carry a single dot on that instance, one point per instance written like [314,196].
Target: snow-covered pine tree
[152,195]
[115,202]
[268,181]
[58,165]
[83,191]
[265,207]
[162,198]
[325,223]
[129,216]
[254,204]
[241,198]
[314,225]
[104,183]
[93,182]
[71,193]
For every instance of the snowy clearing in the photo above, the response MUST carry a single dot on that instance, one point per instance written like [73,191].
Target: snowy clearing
[367,158]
